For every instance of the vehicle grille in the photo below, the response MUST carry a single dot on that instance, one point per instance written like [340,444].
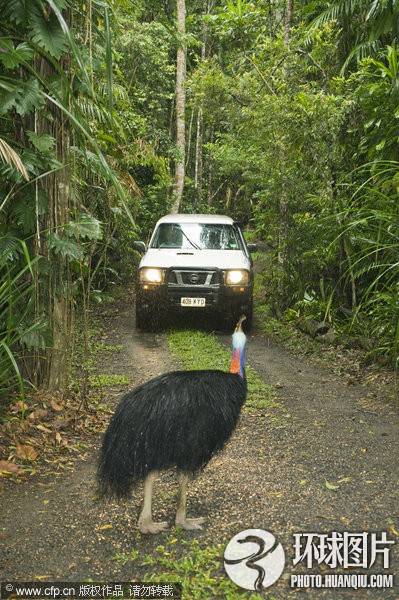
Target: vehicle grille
[192,278]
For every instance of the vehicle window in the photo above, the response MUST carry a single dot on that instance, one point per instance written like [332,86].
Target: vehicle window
[203,236]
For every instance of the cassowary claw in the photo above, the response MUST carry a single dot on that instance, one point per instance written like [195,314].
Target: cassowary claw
[190,524]
[152,527]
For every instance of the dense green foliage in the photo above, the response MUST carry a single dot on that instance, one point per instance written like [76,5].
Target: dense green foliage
[291,122]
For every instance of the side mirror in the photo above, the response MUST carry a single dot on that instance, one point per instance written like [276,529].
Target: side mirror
[252,247]
[140,247]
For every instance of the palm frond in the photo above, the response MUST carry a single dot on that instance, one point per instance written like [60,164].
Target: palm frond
[10,157]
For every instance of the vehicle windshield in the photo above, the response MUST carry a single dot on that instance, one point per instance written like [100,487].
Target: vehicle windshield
[200,236]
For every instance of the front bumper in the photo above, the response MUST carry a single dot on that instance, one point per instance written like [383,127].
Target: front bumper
[218,296]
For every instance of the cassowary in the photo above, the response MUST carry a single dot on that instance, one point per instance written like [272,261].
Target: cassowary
[177,420]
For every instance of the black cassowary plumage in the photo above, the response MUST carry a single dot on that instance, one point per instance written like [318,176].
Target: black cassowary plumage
[180,419]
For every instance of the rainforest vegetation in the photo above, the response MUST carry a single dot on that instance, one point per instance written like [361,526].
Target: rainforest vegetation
[282,114]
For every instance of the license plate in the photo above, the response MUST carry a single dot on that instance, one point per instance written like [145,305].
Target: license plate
[192,302]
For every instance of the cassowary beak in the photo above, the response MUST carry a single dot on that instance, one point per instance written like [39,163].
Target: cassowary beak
[239,323]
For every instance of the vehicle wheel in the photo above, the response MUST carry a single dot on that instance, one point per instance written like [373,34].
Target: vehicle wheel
[247,326]
[229,323]
[141,320]
[146,320]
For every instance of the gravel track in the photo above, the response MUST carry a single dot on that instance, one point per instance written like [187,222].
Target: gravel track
[272,475]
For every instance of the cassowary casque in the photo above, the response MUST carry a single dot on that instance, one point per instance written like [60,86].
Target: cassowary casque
[177,420]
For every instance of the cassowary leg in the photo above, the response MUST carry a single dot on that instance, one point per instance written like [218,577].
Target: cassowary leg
[181,519]
[145,522]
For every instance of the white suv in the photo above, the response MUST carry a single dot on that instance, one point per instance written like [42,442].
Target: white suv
[194,262]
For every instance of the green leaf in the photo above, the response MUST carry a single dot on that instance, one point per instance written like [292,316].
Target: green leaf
[14,364]
[85,227]
[32,98]
[9,249]
[43,142]
[10,95]
[380,146]
[46,32]
[331,486]
[67,248]
[12,57]
[16,11]
[23,96]
[37,337]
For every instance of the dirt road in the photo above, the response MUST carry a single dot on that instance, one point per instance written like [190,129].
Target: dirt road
[325,459]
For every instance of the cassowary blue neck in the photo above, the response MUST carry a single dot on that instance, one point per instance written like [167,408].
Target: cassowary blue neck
[238,358]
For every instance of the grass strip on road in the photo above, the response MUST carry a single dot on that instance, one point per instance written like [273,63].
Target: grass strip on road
[198,350]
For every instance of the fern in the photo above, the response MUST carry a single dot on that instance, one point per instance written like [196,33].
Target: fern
[9,249]
[91,160]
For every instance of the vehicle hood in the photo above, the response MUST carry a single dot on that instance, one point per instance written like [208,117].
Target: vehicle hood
[221,259]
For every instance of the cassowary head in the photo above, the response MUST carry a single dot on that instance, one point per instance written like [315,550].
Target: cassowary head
[239,341]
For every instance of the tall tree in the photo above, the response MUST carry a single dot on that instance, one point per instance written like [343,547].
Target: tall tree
[283,203]
[198,166]
[180,106]
[288,20]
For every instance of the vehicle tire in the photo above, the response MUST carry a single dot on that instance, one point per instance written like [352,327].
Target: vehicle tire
[146,320]
[229,323]
[141,320]
[247,326]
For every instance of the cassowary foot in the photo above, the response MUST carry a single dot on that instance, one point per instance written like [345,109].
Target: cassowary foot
[190,524]
[148,526]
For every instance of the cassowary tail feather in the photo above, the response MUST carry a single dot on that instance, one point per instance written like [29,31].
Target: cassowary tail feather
[180,420]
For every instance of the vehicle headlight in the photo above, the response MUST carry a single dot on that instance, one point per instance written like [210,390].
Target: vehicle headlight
[240,277]
[151,275]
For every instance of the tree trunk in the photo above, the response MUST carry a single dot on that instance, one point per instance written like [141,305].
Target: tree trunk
[189,136]
[283,221]
[54,299]
[198,155]
[200,118]
[60,305]
[289,9]
[283,202]
[210,172]
[180,107]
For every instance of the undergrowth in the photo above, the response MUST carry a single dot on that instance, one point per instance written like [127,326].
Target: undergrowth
[197,568]
[104,380]
[284,331]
